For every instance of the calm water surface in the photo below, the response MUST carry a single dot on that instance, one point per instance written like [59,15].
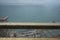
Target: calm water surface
[30,13]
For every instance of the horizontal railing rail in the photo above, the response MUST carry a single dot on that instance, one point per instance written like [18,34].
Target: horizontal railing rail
[16,25]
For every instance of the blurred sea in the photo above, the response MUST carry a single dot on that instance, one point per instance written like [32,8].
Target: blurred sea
[30,13]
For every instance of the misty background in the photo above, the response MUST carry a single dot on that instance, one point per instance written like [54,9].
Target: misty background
[30,10]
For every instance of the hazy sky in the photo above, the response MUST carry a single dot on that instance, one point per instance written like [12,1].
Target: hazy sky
[18,2]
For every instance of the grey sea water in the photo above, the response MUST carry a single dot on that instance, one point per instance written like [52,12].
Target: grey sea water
[30,13]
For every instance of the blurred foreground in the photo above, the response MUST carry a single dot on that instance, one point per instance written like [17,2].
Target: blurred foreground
[30,33]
